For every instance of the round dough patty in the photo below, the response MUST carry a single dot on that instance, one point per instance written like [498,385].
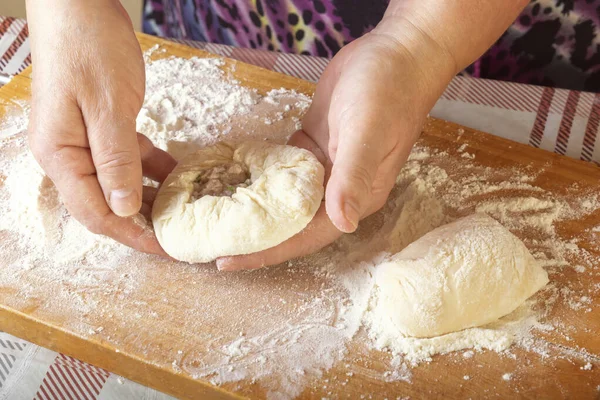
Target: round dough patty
[279,195]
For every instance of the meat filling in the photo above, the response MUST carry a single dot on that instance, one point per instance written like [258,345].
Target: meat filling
[222,180]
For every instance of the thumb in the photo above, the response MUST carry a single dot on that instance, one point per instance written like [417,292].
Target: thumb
[116,156]
[357,159]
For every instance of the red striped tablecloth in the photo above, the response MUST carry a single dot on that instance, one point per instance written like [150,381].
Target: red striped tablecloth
[562,121]
[558,120]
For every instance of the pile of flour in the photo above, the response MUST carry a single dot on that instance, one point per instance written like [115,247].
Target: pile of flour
[175,110]
[286,341]
[189,104]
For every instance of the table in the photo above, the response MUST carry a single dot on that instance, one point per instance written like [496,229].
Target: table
[558,120]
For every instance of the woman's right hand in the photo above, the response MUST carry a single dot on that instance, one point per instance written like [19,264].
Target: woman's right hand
[88,87]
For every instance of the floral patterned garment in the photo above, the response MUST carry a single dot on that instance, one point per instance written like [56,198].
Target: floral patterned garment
[553,42]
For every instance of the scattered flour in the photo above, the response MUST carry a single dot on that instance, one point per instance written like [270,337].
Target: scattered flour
[579,268]
[15,120]
[293,323]
[191,104]
[193,107]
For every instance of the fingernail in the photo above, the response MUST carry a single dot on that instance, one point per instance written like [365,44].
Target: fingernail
[352,215]
[124,202]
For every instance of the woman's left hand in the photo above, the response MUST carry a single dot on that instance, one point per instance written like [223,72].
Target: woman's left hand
[367,113]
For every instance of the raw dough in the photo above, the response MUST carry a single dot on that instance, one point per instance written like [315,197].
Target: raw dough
[463,274]
[285,190]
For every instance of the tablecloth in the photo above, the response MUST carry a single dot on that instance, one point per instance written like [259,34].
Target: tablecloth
[562,121]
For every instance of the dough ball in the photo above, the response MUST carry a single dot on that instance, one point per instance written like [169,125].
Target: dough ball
[230,199]
[464,274]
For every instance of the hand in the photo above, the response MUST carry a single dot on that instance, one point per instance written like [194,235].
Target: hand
[367,112]
[88,87]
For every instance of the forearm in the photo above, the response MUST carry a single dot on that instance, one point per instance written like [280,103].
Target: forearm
[64,32]
[52,15]
[464,29]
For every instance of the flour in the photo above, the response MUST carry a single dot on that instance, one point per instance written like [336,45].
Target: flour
[535,213]
[293,324]
[189,105]
[418,210]
[15,120]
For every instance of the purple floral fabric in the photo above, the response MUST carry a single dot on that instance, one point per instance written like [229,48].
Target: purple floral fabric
[552,43]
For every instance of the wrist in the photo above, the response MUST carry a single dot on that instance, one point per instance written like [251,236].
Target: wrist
[62,15]
[429,65]
[67,24]
[426,50]
[463,29]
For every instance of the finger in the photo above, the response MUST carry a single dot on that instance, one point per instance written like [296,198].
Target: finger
[149,194]
[385,180]
[156,163]
[358,157]
[72,171]
[133,232]
[302,140]
[319,233]
[146,211]
[116,155]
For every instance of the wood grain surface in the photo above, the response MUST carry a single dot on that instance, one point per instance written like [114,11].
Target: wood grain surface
[143,350]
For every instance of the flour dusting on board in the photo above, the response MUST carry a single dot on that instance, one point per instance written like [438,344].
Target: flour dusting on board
[281,327]
[193,107]
[196,100]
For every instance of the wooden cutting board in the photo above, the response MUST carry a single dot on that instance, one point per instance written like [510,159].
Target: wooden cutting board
[142,350]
